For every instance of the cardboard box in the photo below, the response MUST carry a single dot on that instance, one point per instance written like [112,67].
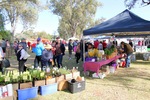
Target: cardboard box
[63,85]
[60,78]
[7,98]
[68,76]
[75,74]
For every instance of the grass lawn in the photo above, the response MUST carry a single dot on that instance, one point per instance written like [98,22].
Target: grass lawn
[125,84]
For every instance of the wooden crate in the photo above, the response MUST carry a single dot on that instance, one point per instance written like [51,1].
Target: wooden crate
[50,81]
[38,83]
[25,85]
[60,78]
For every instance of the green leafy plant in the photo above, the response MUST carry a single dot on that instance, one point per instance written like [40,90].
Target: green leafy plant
[37,74]
[64,71]
[110,50]
[25,77]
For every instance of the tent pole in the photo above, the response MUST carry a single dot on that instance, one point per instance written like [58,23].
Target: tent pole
[83,50]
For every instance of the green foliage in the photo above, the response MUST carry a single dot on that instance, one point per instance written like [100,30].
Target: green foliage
[25,77]
[76,15]
[64,71]
[37,74]
[23,10]
[109,51]
[5,34]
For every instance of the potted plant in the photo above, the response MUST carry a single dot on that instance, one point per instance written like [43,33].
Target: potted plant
[50,79]
[25,80]
[6,86]
[38,77]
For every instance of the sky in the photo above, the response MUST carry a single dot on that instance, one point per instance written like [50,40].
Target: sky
[49,22]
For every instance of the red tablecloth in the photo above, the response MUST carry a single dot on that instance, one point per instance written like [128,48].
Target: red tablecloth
[95,66]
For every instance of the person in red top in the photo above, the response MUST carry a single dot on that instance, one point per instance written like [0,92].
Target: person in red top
[29,44]
[104,44]
[96,43]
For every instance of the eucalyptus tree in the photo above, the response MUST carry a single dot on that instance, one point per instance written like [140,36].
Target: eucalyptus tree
[25,11]
[74,15]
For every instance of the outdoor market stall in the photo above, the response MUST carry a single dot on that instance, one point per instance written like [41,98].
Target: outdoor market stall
[126,21]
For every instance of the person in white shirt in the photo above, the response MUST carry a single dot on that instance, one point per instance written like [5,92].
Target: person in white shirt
[20,57]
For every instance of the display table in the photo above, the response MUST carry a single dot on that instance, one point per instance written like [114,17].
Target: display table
[95,66]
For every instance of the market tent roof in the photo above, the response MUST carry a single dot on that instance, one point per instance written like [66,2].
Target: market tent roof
[126,21]
[103,37]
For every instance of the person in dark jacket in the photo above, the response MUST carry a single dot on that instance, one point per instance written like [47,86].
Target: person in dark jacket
[47,56]
[127,49]
[23,42]
[20,55]
[70,48]
[60,52]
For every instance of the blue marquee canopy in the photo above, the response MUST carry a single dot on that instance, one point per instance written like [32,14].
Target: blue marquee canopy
[126,21]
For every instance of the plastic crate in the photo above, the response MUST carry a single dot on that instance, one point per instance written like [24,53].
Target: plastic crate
[28,93]
[76,87]
[48,89]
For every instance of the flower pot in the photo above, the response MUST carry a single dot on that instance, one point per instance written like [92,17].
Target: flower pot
[68,76]
[28,93]
[39,83]
[25,85]
[50,81]
[60,78]
[48,89]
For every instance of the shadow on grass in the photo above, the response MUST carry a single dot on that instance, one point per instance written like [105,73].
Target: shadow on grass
[122,86]
[141,62]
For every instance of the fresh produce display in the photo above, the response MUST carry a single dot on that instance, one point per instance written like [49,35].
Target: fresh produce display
[94,53]
[109,51]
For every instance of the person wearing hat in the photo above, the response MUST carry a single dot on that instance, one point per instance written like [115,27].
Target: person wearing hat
[20,55]
[47,56]
[38,52]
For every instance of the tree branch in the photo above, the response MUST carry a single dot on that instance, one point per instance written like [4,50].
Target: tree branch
[146,2]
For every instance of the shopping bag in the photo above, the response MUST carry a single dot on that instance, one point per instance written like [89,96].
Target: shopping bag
[5,63]
[26,55]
